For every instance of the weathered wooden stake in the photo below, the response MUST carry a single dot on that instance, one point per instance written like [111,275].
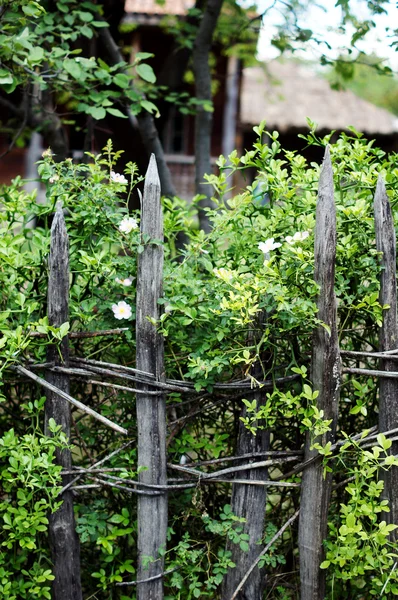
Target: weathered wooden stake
[248,501]
[151,410]
[64,542]
[388,337]
[326,369]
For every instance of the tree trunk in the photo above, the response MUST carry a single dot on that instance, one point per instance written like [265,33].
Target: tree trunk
[44,117]
[204,119]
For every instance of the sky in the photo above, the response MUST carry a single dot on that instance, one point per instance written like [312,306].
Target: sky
[325,24]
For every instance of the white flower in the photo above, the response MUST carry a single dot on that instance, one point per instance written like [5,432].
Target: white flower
[127,224]
[299,236]
[47,153]
[268,245]
[121,310]
[127,282]
[118,178]
[54,179]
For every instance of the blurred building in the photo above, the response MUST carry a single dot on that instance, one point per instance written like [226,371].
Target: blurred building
[285,93]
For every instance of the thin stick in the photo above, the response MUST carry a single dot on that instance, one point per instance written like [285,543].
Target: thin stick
[173,385]
[122,387]
[263,552]
[123,374]
[83,334]
[241,384]
[269,483]
[76,403]
[388,578]
[372,373]
[100,363]
[97,464]
[247,467]
[265,482]
[86,486]
[354,354]
[281,456]
[149,578]
[184,486]
[127,489]
[82,470]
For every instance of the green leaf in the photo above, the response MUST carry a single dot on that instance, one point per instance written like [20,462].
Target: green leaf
[143,55]
[63,330]
[116,113]
[5,77]
[86,31]
[244,546]
[97,112]
[73,68]
[36,55]
[350,521]
[85,16]
[32,10]
[62,7]
[116,519]
[325,564]
[150,107]
[146,73]
[122,80]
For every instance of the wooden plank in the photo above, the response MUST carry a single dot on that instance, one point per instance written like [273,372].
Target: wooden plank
[388,337]
[248,501]
[325,373]
[151,411]
[64,542]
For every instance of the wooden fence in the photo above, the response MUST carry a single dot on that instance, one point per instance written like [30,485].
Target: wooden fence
[248,476]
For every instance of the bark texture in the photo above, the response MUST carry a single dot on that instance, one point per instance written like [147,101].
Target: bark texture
[204,119]
[248,501]
[388,338]
[326,369]
[151,410]
[64,542]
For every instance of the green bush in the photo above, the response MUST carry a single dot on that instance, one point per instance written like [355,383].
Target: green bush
[240,296]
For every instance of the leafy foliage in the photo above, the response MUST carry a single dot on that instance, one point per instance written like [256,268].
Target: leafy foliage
[30,480]
[239,296]
[41,45]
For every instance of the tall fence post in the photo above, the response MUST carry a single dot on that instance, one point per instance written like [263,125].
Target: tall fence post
[64,542]
[388,337]
[151,410]
[249,502]
[326,369]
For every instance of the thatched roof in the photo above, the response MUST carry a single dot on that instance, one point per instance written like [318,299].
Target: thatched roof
[150,7]
[285,93]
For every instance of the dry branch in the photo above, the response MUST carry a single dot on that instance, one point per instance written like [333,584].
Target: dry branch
[372,373]
[267,547]
[97,464]
[69,398]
